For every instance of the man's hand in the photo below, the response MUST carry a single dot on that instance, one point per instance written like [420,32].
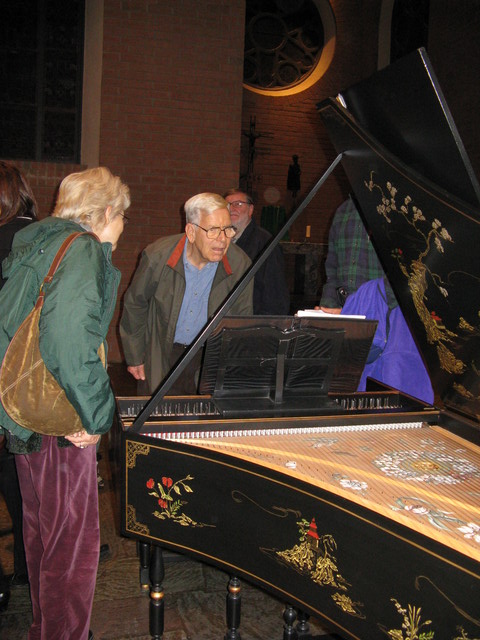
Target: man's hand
[331,310]
[137,371]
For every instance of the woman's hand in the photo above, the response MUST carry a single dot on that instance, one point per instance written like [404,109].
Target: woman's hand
[82,439]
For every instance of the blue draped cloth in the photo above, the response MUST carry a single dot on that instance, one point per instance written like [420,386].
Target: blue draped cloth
[394,358]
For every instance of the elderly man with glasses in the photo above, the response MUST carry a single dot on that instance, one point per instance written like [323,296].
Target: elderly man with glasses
[270,293]
[180,283]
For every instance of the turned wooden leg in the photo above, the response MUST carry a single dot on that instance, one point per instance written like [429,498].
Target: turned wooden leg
[303,628]
[143,552]
[157,605]
[289,616]
[234,601]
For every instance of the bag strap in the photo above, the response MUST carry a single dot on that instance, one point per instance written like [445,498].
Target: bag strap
[64,247]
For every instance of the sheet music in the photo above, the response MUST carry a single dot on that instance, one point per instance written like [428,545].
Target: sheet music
[318,313]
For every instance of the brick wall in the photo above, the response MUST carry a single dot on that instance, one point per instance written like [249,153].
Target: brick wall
[171,110]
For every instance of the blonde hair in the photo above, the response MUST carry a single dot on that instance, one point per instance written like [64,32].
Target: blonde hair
[203,203]
[84,197]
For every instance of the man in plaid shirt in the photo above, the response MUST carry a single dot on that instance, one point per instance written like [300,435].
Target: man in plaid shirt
[351,258]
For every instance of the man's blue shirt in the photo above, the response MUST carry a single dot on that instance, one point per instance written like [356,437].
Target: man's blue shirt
[194,311]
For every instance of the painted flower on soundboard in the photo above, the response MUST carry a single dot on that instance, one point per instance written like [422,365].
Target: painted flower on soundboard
[437,517]
[349,483]
[471,531]
[417,508]
[427,466]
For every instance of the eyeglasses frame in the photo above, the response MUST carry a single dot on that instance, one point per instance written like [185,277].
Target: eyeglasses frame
[240,203]
[220,229]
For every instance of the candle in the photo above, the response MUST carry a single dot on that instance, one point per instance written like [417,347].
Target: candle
[307,231]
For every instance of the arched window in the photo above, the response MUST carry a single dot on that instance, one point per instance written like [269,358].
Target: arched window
[41,70]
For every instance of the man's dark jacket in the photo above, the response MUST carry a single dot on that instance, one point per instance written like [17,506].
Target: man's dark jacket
[270,290]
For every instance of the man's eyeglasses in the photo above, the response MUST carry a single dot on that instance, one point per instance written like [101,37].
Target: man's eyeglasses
[125,218]
[214,232]
[239,204]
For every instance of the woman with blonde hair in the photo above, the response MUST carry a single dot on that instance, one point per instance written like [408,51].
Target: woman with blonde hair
[57,475]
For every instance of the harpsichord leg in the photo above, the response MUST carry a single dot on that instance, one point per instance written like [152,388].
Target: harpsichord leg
[289,616]
[303,628]
[157,573]
[234,601]
[143,552]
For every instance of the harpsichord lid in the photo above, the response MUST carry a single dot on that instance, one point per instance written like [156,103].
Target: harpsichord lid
[423,224]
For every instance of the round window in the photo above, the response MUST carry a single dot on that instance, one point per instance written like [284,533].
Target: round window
[289,44]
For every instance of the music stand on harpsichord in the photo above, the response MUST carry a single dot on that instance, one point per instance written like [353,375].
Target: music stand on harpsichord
[280,365]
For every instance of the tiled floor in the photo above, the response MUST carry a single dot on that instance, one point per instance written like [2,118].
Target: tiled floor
[194,592]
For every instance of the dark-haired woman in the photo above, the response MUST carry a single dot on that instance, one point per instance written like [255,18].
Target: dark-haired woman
[17,210]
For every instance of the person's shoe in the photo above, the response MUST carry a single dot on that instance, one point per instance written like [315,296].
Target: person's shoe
[4,598]
[17,579]
[100,481]
[90,635]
